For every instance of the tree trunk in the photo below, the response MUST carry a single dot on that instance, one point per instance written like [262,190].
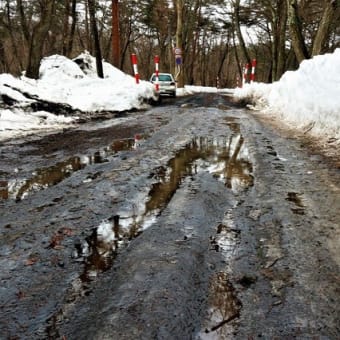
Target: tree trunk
[192,40]
[115,34]
[281,48]
[23,22]
[295,29]
[65,32]
[68,32]
[38,37]
[92,12]
[8,27]
[3,61]
[88,40]
[126,45]
[237,59]
[179,40]
[279,25]
[224,56]
[239,35]
[324,26]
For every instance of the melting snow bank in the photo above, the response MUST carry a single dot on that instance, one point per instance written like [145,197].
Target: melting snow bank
[191,89]
[307,99]
[17,119]
[71,84]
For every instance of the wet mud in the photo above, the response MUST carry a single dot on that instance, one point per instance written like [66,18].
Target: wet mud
[41,179]
[192,220]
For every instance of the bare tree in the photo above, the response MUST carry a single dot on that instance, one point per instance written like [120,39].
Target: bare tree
[179,37]
[36,38]
[275,13]
[237,27]
[295,29]
[288,31]
[94,29]
[115,34]
[331,12]
[69,30]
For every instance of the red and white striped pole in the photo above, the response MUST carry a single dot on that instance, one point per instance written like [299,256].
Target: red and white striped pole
[253,67]
[135,67]
[138,139]
[245,74]
[156,60]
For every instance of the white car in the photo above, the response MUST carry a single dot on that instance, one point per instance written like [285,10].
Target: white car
[167,84]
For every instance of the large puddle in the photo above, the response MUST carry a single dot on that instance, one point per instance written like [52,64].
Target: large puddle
[19,189]
[226,159]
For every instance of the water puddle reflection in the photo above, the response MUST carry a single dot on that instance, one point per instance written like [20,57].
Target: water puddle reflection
[19,189]
[100,248]
[225,158]
[224,307]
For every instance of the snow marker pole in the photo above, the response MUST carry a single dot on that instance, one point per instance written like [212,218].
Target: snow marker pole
[245,74]
[138,139]
[156,60]
[253,67]
[135,67]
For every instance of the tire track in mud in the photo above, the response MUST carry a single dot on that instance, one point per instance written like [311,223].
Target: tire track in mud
[58,216]
[231,224]
[285,248]
[159,287]
[203,154]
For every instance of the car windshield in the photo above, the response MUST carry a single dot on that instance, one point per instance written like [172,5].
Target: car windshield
[165,77]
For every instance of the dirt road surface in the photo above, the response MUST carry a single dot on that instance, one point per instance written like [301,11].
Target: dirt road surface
[194,219]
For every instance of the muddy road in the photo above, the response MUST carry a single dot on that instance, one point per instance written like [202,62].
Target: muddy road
[191,220]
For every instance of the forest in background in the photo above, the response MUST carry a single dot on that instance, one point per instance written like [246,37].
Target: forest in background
[216,37]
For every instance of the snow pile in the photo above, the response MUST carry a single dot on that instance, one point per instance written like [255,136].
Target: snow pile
[17,120]
[85,91]
[74,83]
[307,99]
[63,81]
[192,89]
[17,117]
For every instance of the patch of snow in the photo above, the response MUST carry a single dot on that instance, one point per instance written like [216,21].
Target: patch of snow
[307,99]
